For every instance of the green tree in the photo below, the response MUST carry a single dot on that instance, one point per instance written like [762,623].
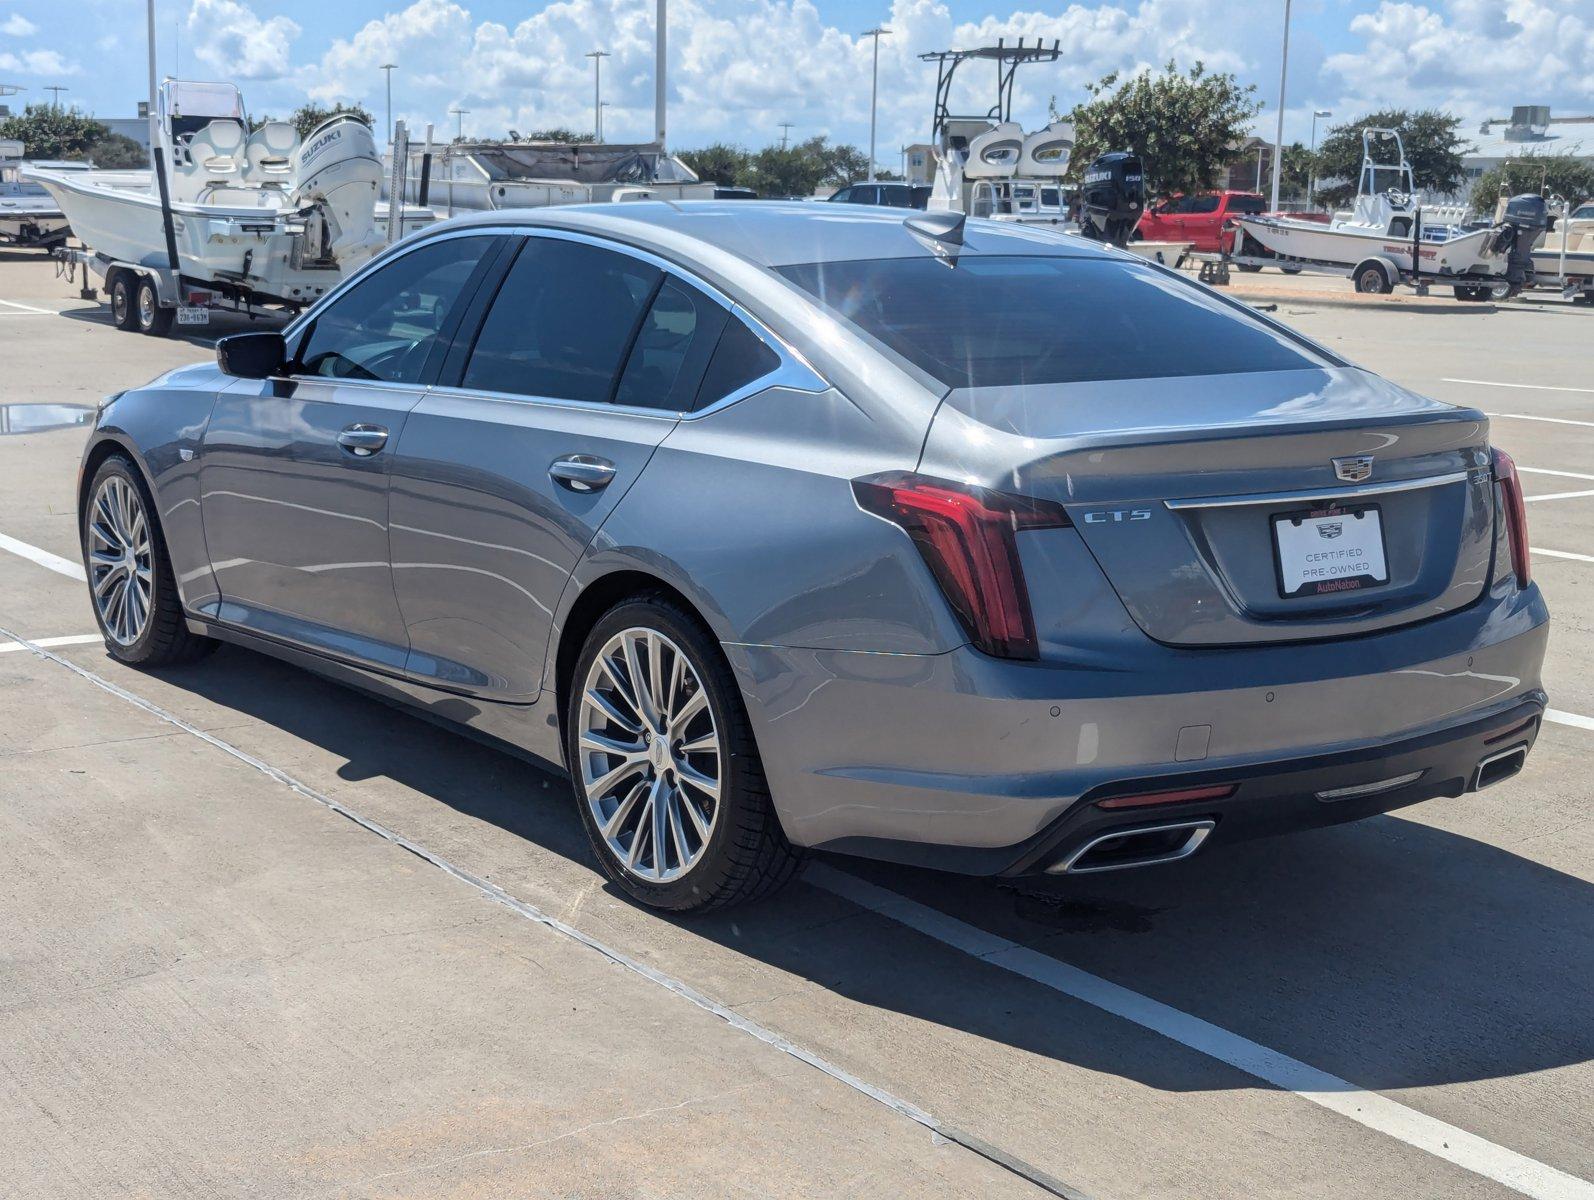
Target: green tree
[559,135]
[1433,147]
[1563,175]
[1184,127]
[804,168]
[116,152]
[46,131]
[719,163]
[306,117]
[1295,174]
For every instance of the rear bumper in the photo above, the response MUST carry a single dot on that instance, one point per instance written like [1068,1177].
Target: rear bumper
[967,763]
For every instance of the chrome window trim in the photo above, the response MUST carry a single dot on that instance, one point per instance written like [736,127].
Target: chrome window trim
[794,371]
[1330,493]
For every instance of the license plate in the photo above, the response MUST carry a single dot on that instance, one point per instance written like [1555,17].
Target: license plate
[1327,550]
[188,314]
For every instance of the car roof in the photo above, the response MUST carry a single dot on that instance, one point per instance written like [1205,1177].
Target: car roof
[774,234]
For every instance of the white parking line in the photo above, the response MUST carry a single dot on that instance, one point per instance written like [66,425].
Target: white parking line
[1521,470]
[1575,720]
[1546,420]
[1532,387]
[1588,558]
[61,566]
[1371,1109]
[1559,496]
[75,639]
[29,308]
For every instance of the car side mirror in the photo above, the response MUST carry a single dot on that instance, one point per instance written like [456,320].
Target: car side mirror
[252,355]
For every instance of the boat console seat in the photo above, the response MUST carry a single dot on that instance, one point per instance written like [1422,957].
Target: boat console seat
[995,153]
[214,155]
[1045,154]
[268,155]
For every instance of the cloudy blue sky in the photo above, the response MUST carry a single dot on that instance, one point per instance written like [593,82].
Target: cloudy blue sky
[740,67]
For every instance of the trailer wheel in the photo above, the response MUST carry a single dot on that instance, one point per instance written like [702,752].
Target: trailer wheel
[1291,270]
[152,318]
[124,301]
[1373,280]
[1477,293]
[1249,268]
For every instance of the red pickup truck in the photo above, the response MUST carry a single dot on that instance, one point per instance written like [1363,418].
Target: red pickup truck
[1198,219]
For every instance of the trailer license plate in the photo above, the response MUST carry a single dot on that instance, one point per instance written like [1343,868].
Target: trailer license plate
[1328,550]
[192,314]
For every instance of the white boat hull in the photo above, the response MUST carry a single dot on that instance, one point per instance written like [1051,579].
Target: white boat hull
[1308,242]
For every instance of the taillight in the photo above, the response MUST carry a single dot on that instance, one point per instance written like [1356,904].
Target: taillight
[966,536]
[1516,515]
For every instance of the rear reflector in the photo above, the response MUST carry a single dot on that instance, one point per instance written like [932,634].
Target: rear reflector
[1516,514]
[966,537]
[1217,791]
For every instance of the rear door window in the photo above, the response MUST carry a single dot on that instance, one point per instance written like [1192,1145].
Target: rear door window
[740,358]
[1247,204]
[386,327]
[1010,320]
[562,322]
[1203,204]
[672,349]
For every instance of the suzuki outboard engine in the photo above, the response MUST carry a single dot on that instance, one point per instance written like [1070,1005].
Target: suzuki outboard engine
[1525,220]
[1112,198]
[338,174]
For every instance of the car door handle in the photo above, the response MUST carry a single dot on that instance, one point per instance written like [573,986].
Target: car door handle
[582,472]
[362,441]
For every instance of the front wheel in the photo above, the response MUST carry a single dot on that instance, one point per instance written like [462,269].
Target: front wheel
[667,778]
[130,578]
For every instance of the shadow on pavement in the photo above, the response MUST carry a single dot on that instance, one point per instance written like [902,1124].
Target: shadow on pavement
[1387,952]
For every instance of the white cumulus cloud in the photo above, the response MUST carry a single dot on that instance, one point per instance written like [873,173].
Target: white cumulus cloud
[16,25]
[230,39]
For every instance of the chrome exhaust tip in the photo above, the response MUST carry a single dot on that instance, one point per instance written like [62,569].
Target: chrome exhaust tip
[1149,845]
[1499,766]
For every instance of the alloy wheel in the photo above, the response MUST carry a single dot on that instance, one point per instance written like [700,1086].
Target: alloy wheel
[650,755]
[121,577]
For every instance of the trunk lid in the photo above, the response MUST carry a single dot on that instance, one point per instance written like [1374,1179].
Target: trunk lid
[1177,487]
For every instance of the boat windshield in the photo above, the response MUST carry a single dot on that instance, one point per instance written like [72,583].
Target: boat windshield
[190,106]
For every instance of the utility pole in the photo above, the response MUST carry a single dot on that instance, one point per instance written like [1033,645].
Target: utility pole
[388,69]
[597,57]
[1311,179]
[461,113]
[660,61]
[1278,139]
[785,129]
[55,91]
[877,33]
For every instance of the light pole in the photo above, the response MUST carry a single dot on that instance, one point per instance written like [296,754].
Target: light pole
[1278,140]
[388,69]
[601,107]
[877,33]
[597,57]
[660,61]
[1311,178]
[55,91]
[461,114]
[785,129]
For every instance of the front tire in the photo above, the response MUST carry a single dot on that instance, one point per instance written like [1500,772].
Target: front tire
[131,586]
[1372,280]
[152,318]
[667,777]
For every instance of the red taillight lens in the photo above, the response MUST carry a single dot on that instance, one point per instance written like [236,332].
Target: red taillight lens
[966,537]
[1516,515]
[1218,791]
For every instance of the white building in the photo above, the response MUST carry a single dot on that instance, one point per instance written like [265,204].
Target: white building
[1529,131]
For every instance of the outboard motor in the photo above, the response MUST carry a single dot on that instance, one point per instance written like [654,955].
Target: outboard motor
[1525,220]
[338,173]
[1112,198]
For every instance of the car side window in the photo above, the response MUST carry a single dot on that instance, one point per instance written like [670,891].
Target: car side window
[1203,204]
[562,322]
[740,358]
[672,348]
[386,326]
[844,196]
[1247,204]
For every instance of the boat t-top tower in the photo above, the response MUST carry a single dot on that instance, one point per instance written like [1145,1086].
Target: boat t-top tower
[986,165]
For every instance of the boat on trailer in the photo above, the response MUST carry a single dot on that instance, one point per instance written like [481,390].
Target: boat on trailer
[30,219]
[987,166]
[239,215]
[486,176]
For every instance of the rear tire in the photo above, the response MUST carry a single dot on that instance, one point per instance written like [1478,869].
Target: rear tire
[667,763]
[1472,292]
[152,318]
[124,555]
[1373,280]
[1291,270]
[1249,268]
[124,301]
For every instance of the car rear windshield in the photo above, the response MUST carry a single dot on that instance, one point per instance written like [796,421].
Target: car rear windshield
[1002,321]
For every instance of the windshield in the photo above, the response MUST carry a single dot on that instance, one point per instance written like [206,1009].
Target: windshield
[993,321]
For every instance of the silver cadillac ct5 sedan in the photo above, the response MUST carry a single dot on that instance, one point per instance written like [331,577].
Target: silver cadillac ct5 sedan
[792,527]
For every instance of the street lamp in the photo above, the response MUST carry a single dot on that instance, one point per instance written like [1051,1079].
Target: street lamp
[389,68]
[877,33]
[1278,140]
[461,114]
[597,57]
[1311,178]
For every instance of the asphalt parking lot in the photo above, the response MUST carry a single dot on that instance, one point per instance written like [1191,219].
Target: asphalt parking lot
[264,936]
